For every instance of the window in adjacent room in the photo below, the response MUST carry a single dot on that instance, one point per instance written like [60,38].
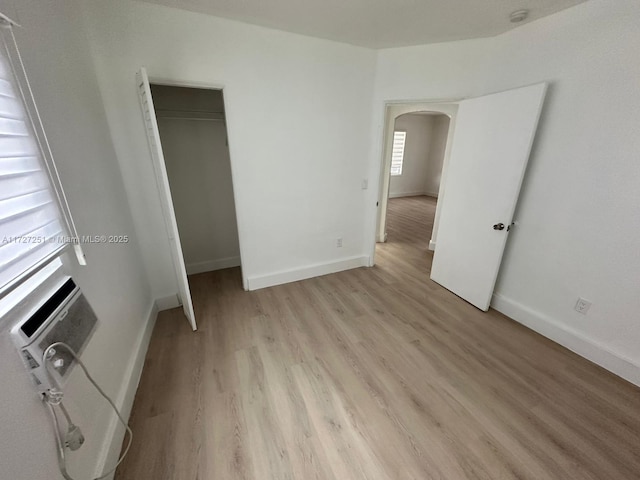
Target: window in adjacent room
[397,153]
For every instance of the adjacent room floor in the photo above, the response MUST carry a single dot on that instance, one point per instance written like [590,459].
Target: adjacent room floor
[374,373]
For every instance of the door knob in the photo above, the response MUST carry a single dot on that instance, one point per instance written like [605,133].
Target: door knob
[498,226]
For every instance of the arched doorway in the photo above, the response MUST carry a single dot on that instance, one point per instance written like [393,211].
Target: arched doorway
[403,177]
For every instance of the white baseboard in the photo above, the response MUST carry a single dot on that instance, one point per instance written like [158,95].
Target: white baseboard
[287,276]
[124,400]
[431,194]
[381,239]
[168,302]
[575,341]
[432,245]
[211,265]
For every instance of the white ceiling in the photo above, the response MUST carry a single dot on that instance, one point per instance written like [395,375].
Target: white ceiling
[378,23]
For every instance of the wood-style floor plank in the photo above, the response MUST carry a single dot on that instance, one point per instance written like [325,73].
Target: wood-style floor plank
[373,373]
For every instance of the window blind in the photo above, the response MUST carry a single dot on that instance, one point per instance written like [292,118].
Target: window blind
[397,152]
[32,226]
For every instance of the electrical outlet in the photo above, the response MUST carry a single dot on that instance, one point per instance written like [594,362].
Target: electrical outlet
[339,242]
[582,306]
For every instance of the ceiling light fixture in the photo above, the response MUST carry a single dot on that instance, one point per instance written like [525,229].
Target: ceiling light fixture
[519,16]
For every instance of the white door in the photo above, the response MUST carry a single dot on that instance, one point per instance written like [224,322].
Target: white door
[162,179]
[491,147]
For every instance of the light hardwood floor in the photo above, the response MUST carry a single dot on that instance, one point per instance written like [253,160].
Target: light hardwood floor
[371,374]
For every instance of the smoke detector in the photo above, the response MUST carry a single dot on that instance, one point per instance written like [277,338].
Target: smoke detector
[519,16]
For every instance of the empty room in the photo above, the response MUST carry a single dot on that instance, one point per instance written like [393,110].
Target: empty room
[377,240]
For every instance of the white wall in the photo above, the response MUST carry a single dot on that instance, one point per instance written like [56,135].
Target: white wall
[298,113]
[439,133]
[415,167]
[197,160]
[578,212]
[55,52]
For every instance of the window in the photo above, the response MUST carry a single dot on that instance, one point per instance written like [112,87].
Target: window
[34,225]
[397,153]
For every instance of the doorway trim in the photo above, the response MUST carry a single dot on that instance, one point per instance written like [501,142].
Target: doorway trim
[172,82]
[392,110]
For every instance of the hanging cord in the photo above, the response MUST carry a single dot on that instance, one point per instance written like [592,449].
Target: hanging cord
[66,414]
[59,444]
[54,397]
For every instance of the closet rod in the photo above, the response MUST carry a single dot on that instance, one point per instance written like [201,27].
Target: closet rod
[192,118]
[174,111]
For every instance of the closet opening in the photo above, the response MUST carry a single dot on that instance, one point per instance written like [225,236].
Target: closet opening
[193,132]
